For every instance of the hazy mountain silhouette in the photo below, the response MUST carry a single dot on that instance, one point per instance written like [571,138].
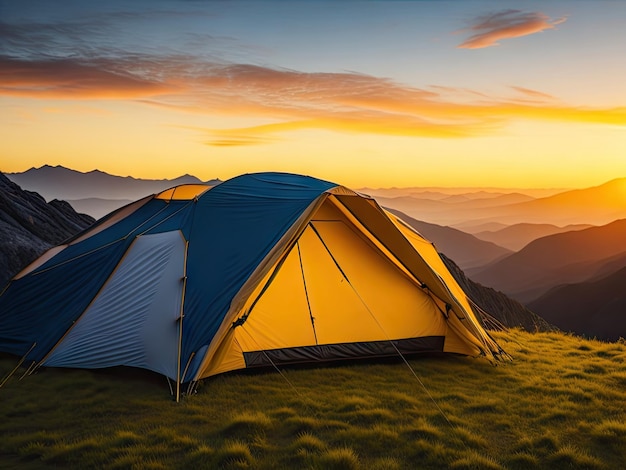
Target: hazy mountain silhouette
[62,183]
[596,205]
[97,207]
[95,193]
[465,249]
[507,311]
[474,227]
[593,206]
[452,209]
[556,259]
[515,237]
[29,226]
[594,309]
[439,192]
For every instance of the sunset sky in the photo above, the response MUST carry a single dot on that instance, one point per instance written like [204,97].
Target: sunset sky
[363,93]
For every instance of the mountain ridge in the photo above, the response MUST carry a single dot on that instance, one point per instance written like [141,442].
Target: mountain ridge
[593,309]
[59,182]
[515,237]
[596,205]
[548,261]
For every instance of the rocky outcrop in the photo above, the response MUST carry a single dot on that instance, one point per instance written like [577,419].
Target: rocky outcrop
[29,225]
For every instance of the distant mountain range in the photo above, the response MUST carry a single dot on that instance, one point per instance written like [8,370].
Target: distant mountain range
[450,210]
[95,193]
[593,206]
[557,259]
[471,210]
[515,237]
[596,206]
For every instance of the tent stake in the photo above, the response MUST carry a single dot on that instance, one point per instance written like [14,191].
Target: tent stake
[30,370]
[6,379]
[187,366]
[169,384]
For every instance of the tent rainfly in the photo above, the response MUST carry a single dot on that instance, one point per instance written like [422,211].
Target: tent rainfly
[263,269]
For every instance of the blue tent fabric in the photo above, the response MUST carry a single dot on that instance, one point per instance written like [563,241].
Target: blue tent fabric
[230,229]
[41,307]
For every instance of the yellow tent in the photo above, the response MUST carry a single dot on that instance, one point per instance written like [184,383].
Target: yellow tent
[348,280]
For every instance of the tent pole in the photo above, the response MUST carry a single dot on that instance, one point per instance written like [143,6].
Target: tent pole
[306,294]
[180,324]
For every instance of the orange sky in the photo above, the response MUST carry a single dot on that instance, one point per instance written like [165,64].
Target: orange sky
[417,95]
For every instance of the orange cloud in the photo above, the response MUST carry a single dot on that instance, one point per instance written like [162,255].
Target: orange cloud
[291,100]
[68,78]
[506,24]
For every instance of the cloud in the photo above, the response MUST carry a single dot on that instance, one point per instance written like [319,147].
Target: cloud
[533,93]
[491,28]
[69,78]
[288,100]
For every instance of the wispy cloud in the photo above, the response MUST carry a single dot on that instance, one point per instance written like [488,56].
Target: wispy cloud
[534,93]
[493,27]
[79,79]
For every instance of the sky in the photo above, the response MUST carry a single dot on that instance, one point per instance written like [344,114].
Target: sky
[363,93]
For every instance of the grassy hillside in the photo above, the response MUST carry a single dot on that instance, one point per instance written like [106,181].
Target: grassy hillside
[560,403]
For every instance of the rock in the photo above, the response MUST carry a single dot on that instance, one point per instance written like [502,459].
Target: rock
[29,226]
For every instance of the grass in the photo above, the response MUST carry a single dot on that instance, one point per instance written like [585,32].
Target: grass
[561,403]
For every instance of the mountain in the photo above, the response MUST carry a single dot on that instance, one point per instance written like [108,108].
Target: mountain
[62,183]
[515,237]
[473,227]
[439,192]
[556,259]
[594,309]
[507,311]
[596,206]
[465,249]
[592,206]
[450,210]
[29,226]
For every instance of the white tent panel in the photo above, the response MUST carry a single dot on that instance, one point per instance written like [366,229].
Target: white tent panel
[134,319]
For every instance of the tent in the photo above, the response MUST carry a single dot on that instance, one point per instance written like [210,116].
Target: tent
[263,269]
